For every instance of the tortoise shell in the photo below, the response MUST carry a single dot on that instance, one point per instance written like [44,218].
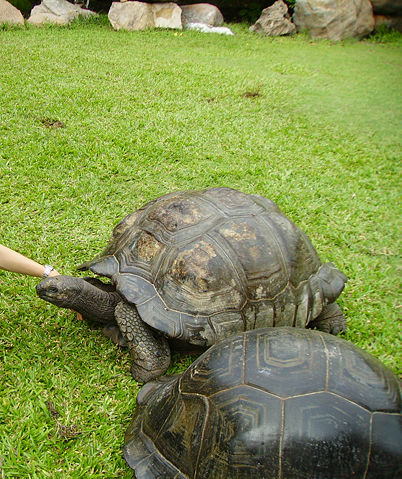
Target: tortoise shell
[274,403]
[203,265]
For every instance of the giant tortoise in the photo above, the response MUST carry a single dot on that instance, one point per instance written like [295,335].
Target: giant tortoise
[271,403]
[197,267]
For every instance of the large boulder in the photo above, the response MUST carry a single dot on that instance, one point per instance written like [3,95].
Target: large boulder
[334,19]
[131,15]
[9,14]
[274,21]
[387,7]
[167,15]
[141,15]
[201,13]
[59,12]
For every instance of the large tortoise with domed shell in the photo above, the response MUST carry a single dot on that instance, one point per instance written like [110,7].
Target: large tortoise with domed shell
[271,403]
[195,267]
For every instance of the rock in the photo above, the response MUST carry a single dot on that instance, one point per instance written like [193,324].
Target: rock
[274,21]
[201,13]
[131,15]
[167,15]
[394,23]
[387,7]
[9,14]
[202,27]
[334,19]
[56,11]
[140,16]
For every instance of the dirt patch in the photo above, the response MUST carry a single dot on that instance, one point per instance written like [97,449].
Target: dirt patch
[49,123]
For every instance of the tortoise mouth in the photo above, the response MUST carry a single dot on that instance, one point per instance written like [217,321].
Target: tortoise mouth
[51,298]
[44,293]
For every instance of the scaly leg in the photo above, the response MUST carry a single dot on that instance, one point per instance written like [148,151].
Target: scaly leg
[150,350]
[331,320]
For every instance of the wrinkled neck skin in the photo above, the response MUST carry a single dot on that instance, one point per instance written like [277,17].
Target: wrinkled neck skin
[95,304]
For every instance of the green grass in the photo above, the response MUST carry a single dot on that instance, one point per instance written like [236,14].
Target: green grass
[315,126]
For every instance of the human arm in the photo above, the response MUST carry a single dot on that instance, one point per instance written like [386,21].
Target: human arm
[15,262]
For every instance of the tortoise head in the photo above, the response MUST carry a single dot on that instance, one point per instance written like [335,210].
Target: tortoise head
[90,297]
[62,291]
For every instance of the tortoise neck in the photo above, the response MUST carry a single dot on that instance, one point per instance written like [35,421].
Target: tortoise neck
[96,304]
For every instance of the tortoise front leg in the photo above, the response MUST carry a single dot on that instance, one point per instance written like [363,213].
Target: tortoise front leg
[150,350]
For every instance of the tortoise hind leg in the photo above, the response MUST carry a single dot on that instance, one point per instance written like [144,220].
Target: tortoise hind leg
[150,350]
[331,320]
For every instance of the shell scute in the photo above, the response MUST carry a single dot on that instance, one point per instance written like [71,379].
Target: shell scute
[218,371]
[260,258]
[161,317]
[179,212]
[386,445]
[300,359]
[145,248]
[361,378]
[336,430]
[240,440]
[196,278]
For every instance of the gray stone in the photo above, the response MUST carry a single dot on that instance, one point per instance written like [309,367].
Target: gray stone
[334,19]
[56,11]
[141,15]
[387,7]
[9,14]
[201,13]
[274,21]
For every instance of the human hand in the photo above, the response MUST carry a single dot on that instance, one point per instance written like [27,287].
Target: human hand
[15,262]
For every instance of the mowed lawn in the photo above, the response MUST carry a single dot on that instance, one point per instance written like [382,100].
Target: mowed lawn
[94,123]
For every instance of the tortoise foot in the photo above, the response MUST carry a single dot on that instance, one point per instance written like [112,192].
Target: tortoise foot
[143,375]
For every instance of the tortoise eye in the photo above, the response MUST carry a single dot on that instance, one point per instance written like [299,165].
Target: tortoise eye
[53,290]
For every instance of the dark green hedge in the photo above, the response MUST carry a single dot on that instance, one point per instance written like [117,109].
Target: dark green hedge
[248,10]
[24,6]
